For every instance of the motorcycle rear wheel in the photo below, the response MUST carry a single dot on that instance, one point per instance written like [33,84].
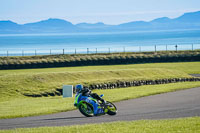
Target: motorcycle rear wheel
[112,109]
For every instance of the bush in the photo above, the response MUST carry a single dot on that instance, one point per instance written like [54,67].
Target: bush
[97,59]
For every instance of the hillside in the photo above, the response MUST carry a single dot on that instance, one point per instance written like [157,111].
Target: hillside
[186,21]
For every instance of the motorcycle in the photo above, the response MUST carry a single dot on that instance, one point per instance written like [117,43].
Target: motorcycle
[90,107]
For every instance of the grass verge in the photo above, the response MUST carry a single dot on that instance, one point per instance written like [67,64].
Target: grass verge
[23,106]
[14,83]
[17,85]
[188,67]
[181,125]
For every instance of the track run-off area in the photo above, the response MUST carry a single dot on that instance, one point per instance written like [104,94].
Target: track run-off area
[183,103]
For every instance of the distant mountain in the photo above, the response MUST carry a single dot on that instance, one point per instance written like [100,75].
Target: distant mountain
[136,25]
[98,25]
[51,26]
[9,26]
[186,21]
[161,20]
[192,17]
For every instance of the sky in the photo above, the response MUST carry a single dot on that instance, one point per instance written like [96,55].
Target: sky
[93,11]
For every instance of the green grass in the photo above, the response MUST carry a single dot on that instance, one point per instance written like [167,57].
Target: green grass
[188,67]
[24,106]
[181,125]
[14,83]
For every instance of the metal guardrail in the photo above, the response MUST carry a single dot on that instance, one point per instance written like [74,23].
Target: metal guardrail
[146,48]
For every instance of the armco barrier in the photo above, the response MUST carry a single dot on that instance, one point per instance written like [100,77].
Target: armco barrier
[119,84]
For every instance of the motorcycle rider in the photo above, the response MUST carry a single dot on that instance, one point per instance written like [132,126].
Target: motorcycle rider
[87,92]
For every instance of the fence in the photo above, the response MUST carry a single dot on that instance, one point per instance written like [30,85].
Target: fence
[147,48]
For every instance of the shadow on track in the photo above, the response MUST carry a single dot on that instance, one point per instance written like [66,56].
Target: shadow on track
[67,118]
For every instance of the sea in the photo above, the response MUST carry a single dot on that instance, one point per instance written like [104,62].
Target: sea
[101,42]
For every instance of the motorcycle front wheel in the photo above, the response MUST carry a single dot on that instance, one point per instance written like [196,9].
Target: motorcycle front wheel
[86,110]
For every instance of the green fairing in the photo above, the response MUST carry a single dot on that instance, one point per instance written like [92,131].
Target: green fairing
[80,103]
[76,100]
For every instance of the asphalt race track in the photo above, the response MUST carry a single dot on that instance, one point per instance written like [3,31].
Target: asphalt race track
[184,103]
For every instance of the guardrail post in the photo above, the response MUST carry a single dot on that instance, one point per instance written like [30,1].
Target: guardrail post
[176,46]
[192,47]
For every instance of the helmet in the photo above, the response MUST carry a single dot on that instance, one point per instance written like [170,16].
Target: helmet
[79,88]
